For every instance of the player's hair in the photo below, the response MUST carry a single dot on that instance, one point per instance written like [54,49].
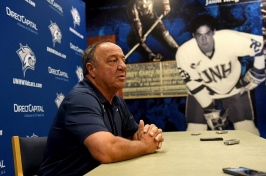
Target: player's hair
[202,20]
[89,55]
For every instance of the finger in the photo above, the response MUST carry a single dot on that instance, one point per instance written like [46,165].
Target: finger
[154,130]
[146,128]
[159,138]
[159,145]
[160,130]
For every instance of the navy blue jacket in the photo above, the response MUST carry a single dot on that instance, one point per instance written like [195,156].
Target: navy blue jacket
[83,112]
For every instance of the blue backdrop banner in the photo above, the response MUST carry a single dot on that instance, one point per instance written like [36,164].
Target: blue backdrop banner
[41,46]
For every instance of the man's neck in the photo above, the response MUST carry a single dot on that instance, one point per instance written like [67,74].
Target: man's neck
[107,94]
[209,54]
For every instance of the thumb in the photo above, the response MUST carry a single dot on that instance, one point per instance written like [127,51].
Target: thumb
[140,129]
[141,125]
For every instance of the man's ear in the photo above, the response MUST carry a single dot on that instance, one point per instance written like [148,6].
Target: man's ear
[90,69]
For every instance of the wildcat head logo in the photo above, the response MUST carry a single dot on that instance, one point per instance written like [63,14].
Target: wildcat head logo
[56,33]
[27,58]
[60,97]
[76,16]
[32,136]
[79,73]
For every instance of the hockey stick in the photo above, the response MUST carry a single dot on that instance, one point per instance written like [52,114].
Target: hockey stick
[226,112]
[145,35]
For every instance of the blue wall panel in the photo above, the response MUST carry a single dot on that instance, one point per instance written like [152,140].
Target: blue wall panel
[41,46]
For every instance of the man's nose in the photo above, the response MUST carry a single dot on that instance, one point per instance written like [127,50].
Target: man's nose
[121,65]
[204,38]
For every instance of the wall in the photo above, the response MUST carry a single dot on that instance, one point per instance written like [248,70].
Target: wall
[110,18]
[41,46]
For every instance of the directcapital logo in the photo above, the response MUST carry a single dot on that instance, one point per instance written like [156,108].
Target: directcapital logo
[27,58]
[76,48]
[60,97]
[55,32]
[28,108]
[55,5]
[57,72]
[79,73]
[21,18]
[76,16]
[31,2]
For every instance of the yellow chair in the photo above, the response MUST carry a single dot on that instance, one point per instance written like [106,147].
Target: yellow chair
[28,154]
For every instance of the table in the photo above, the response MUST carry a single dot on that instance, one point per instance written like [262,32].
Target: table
[183,155]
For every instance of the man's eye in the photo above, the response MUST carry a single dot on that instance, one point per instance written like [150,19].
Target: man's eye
[209,33]
[113,61]
[197,35]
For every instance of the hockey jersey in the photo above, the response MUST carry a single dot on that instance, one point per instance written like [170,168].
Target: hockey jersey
[210,78]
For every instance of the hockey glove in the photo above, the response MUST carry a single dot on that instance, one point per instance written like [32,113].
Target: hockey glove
[252,78]
[215,121]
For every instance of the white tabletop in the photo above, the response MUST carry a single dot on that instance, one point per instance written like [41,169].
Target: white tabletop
[183,155]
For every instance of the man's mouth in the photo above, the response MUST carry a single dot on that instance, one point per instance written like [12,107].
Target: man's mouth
[122,76]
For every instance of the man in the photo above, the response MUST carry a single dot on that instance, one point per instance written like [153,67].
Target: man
[93,125]
[209,64]
[142,16]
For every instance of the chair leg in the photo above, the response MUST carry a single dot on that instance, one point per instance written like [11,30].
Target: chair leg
[17,156]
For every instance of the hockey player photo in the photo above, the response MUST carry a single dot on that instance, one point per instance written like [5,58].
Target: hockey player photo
[209,64]
[144,20]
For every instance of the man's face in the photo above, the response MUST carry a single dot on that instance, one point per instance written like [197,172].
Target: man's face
[110,70]
[143,3]
[204,37]
[145,6]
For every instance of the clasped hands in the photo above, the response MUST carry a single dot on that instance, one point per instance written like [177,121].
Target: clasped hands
[149,134]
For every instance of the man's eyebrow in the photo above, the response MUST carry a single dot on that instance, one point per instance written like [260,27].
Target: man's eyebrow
[111,56]
[115,56]
[197,33]
[203,33]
